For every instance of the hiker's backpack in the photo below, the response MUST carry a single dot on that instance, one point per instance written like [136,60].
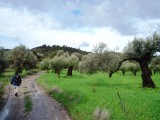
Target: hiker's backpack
[18,80]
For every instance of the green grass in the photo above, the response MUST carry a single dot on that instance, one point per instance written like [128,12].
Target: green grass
[28,103]
[81,94]
[4,80]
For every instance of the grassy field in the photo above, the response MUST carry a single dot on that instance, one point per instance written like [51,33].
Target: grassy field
[81,94]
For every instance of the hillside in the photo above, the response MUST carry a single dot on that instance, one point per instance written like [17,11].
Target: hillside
[51,50]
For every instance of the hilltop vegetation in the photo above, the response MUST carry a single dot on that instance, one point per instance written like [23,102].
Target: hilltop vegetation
[50,51]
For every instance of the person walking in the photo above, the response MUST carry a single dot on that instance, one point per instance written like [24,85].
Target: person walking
[16,82]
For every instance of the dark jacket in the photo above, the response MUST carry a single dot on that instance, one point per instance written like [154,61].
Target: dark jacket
[16,80]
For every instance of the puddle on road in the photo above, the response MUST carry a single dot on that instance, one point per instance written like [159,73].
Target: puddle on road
[4,114]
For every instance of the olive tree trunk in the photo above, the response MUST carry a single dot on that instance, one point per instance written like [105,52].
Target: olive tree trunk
[146,75]
[110,74]
[123,72]
[69,72]
[58,72]
[18,69]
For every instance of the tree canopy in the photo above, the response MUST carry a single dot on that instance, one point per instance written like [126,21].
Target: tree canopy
[101,60]
[142,50]
[21,57]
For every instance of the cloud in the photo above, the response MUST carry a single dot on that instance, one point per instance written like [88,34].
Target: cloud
[119,15]
[24,21]
[84,44]
[76,39]
[149,26]
[9,42]
[78,23]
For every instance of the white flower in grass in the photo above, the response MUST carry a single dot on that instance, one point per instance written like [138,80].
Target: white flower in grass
[100,114]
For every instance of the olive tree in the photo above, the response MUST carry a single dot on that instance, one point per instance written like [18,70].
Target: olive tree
[72,62]
[44,65]
[108,60]
[64,60]
[21,57]
[155,64]
[88,64]
[133,67]
[29,60]
[124,67]
[101,59]
[142,51]
[57,63]
[111,64]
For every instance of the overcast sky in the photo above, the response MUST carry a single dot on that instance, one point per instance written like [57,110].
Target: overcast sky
[76,23]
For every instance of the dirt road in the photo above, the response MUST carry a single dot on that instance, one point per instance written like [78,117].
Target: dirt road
[43,106]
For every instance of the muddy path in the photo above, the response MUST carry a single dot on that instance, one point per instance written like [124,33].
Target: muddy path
[43,106]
